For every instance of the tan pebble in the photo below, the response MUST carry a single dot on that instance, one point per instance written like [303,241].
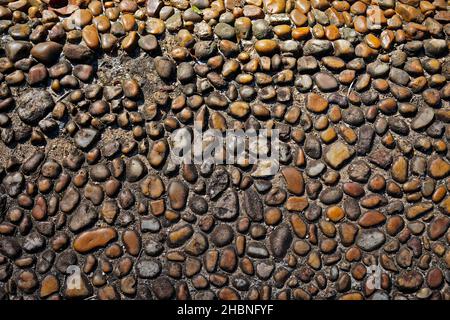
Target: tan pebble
[93,239]
[91,37]
[266,47]
[316,103]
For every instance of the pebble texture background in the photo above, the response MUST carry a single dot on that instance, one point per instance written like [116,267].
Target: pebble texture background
[90,90]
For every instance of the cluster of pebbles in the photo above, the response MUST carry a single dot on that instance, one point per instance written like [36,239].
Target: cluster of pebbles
[93,207]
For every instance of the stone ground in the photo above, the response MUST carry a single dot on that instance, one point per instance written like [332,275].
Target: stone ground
[92,206]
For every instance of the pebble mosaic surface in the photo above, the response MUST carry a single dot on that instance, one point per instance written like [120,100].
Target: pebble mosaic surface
[93,207]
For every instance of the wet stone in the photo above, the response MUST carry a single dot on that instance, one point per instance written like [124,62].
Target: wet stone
[316,47]
[337,154]
[325,82]
[177,193]
[179,235]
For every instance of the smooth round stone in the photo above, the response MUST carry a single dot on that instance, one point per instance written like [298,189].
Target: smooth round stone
[83,72]
[164,67]
[129,43]
[177,193]
[46,52]
[378,69]
[333,63]
[289,46]
[303,83]
[224,31]
[266,47]
[20,31]
[148,43]
[435,47]
[77,53]
[370,239]
[204,49]
[222,235]
[239,109]
[85,137]
[325,81]
[100,172]
[135,170]
[174,22]
[91,37]
[10,247]
[261,29]
[82,17]
[148,268]
[243,26]
[331,195]
[155,26]
[16,50]
[282,31]
[102,23]
[423,119]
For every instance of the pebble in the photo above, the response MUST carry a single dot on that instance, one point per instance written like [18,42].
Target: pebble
[77,53]
[337,154]
[177,193]
[148,43]
[325,81]
[266,47]
[222,235]
[135,170]
[97,238]
[409,281]
[179,235]
[226,207]
[280,240]
[165,68]
[317,47]
[438,168]
[46,52]
[370,239]
[253,205]
[34,105]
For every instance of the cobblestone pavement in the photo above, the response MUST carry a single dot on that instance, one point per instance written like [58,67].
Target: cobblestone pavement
[93,204]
